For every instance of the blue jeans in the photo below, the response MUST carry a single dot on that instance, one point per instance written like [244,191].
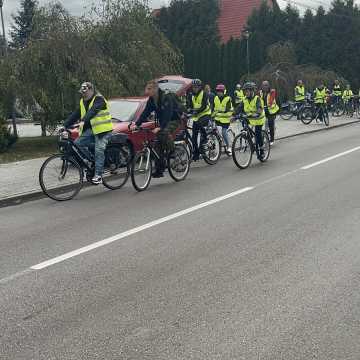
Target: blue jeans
[87,140]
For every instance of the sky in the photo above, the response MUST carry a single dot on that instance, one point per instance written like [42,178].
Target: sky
[77,7]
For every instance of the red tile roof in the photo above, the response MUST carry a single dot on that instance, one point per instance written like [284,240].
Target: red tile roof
[234,15]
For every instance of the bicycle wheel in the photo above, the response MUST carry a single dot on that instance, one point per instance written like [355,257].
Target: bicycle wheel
[286,113]
[118,171]
[141,170]
[307,116]
[266,147]
[242,151]
[61,178]
[189,148]
[338,110]
[179,163]
[211,150]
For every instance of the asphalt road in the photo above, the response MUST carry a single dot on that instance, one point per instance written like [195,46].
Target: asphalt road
[255,264]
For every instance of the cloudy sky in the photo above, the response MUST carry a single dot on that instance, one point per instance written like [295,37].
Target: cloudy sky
[77,6]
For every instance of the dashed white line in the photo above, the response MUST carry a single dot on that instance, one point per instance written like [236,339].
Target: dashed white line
[307,167]
[138,229]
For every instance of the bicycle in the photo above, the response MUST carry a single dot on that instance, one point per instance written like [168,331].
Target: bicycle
[291,109]
[61,176]
[177,162]
[336,106]
[313,112]
[245,145]
[349,107]
[210,148]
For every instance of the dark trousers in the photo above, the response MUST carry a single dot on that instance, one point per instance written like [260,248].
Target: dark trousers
[165,144]
[271,124]
[199,126]
[258,135]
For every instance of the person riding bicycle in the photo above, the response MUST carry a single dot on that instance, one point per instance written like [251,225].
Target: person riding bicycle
[96,125]
[320,97]
[223,110]
[347,97]
[337,92]
[253,108]
[238,95]
[299,96]
[201,114]
[268,97]
[168,113]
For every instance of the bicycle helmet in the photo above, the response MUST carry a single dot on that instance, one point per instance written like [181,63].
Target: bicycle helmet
[85,87]
[196,82]
[249,86]
[220,87]
[238,87]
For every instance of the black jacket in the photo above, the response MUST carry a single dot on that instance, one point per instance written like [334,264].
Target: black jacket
[166,109]
[99,104]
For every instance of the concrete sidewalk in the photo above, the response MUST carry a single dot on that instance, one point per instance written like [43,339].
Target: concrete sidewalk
[20,179]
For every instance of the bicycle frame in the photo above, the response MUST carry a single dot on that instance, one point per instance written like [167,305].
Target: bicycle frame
[69,148]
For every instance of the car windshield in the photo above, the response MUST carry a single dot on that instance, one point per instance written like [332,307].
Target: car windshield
[170,85]
[123,110]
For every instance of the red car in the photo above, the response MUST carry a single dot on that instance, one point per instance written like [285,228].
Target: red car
[125,110]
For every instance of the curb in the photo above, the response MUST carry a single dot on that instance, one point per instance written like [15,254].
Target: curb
[21,198]
[37,195]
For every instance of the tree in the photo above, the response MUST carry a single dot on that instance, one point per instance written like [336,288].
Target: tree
[23,24]
[118,49]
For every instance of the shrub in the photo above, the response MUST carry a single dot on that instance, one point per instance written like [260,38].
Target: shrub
[7,139]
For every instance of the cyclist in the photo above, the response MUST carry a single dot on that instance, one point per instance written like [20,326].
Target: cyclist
[238,95]
[320,96]
[253,108]
[268,97]
[347,97]
[299,96]
[96,126]
[200,108]
[223,110]
[337,91]
[168,114]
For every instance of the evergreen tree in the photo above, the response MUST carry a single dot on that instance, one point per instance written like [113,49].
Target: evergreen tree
[23,24]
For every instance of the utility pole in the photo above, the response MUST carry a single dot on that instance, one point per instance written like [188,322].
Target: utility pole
[246,34]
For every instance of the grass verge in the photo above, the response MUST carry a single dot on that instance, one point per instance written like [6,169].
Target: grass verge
[30,148]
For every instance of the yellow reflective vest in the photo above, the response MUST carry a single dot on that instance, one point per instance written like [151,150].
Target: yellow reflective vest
[239,96]
[273,108]
[197,103]
[320,96]
[299,93]
[337,90]
[251,109]
[220,106]
[347,95]
[101,122]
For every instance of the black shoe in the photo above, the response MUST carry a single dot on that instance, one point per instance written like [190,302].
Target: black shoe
[196,157]
[157,174]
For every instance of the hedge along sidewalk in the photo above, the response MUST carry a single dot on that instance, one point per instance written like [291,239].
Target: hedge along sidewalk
[19,181]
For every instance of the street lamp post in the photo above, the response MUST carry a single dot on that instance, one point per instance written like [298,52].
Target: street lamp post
[3,25]
[247,36]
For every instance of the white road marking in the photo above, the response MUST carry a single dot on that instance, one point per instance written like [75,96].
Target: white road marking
[138,229]
[307,167]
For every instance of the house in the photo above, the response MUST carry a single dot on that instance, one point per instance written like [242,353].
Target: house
[234,15]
